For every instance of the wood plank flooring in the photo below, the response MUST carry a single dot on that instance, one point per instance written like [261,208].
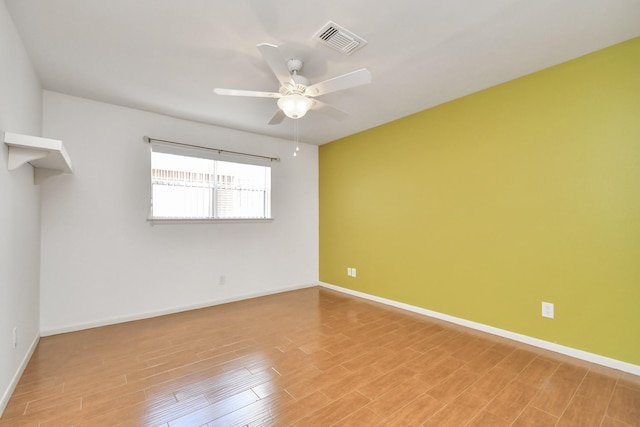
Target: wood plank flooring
[311,357]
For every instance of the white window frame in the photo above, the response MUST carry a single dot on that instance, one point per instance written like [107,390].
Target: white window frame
[214,155]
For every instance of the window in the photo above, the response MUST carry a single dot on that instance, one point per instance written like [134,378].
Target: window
[196,184]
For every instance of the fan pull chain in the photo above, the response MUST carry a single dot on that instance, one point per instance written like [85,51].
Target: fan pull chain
[296,132]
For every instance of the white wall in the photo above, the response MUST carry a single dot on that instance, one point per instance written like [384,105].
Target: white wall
[20,112]
[103,263]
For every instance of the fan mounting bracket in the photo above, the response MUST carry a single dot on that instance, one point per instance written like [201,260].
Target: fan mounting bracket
[294,65]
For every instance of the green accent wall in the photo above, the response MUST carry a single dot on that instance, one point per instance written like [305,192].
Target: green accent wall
[483,207]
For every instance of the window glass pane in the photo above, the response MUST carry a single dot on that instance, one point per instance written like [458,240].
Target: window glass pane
[186,187]
[242,190]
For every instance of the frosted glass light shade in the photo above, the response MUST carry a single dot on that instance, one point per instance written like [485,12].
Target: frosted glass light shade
[295,106]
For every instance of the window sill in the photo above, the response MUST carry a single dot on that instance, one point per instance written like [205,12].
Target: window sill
[168,221]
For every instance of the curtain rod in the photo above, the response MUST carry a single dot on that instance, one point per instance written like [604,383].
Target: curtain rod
[219,150]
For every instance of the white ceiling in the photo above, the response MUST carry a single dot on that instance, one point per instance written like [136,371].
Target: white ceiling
[166,56]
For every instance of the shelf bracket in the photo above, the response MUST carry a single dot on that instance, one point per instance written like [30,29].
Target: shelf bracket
[18,156]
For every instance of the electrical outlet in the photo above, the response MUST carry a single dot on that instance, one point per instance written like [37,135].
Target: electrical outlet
[353,272]
[223,280]
[15,337]
[349,271]
[547,310]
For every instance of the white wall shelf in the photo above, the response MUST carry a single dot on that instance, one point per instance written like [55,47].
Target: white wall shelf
[47,156]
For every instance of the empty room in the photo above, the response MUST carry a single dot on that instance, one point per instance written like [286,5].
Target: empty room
[291,213]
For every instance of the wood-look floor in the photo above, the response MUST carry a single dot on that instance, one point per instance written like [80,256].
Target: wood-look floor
[312,357]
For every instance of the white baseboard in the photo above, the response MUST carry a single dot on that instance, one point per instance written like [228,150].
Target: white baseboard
[557,348]
[122,319]
[16,377]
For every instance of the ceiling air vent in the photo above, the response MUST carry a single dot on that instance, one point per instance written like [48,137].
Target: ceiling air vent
[336,37]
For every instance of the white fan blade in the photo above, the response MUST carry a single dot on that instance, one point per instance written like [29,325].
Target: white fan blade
[345,81]
[237,92]
[276,62]
[277,118]
[330,111]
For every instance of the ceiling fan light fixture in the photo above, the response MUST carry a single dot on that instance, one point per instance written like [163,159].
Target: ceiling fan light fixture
[295,105]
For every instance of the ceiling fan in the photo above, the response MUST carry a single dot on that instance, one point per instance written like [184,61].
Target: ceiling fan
[296,95]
